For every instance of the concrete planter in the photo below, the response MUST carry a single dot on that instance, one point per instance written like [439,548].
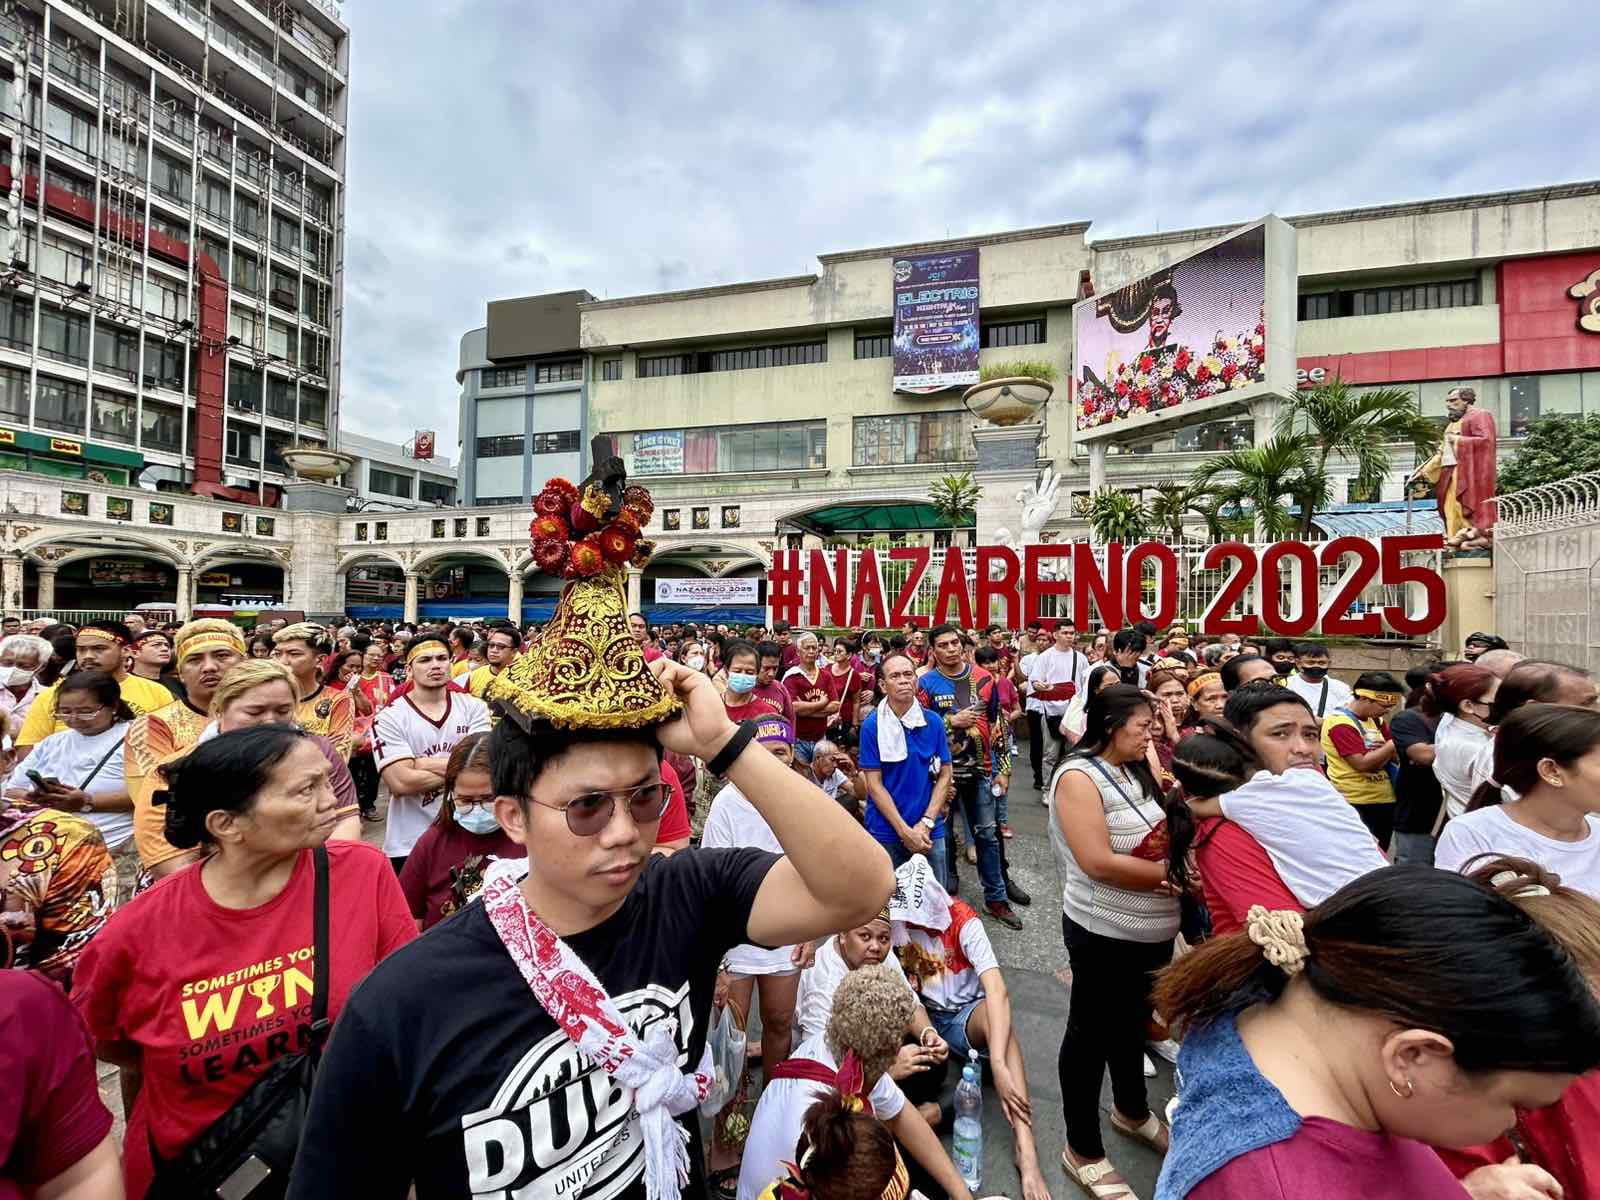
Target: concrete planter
[312,462]
[1007,401]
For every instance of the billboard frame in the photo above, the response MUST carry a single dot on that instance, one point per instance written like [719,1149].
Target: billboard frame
[1281,269]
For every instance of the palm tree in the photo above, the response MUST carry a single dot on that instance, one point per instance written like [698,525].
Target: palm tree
[955,498]
[1265,481]
[1361,425]
[1173,501]
[1116,517]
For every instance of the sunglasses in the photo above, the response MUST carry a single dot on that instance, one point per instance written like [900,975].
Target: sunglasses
[589,813]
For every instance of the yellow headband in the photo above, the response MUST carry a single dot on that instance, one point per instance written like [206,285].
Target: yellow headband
[1200,681]
[1381,697]
[422,644]
[213,640]
[93,634]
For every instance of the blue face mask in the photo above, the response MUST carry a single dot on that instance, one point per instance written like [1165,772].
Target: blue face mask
[477,819]
[739,682]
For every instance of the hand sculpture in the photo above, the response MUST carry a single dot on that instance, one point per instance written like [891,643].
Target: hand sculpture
[1038,502]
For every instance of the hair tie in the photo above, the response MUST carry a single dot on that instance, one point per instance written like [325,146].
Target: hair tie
[1281,935]
[1504,879]
[1507,792]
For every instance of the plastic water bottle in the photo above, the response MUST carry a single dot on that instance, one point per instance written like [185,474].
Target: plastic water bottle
[967,1147]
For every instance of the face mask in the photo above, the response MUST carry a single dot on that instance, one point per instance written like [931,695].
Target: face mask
[695,662]
[17,677]
[874,654]
[477,819]
[1313,673]
[739,682]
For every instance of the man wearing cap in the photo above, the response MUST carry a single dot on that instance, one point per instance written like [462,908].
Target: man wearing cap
[1477,644]
[102,645]
[322,709]
[206,649]
[501,644]
[412,740]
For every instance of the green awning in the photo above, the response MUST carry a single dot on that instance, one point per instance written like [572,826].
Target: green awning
[60,443]
[873,518]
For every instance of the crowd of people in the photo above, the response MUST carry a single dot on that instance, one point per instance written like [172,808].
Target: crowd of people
[1364,916]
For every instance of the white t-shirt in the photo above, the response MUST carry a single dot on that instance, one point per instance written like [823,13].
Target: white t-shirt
[734,822]
[70,756]
[1054,666]
[819,982]
[403,732]
[1311,833]
[1024,665]
[781,1113]
[1338,693]
[939,982]
[1491,830]
[1463,758]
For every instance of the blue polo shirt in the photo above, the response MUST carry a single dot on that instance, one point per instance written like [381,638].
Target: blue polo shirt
[909,782]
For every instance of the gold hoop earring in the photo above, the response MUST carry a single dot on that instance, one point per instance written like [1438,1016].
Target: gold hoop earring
[1408,1093]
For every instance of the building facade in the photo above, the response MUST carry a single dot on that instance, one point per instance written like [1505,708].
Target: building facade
[173,177]
[384,475]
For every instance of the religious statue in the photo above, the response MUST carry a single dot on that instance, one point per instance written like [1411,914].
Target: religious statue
[1463,473]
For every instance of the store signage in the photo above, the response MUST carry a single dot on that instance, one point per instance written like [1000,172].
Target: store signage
[1587,293]
[66,446]
[935,340]
[8,437]
[422,444]
[708,591]
[1111,580]
[1310,377]
[216,579]
[658,453]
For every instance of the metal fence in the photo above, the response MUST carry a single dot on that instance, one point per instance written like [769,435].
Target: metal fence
[78,616]
[1546,563]
[1198,586]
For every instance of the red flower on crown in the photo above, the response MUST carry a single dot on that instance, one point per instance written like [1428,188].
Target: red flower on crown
[617,542]
[550,555]
[585,558]
[548,526]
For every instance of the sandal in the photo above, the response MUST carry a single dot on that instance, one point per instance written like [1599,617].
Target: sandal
[1096,1178]
[724,1184]
[1150,1131]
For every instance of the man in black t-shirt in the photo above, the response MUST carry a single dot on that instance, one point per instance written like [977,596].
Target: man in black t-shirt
[445,1073]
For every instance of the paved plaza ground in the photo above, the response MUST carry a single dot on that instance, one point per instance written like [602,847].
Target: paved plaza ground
[1035,963]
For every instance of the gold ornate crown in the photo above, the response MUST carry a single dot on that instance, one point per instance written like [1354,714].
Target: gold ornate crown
[586,670]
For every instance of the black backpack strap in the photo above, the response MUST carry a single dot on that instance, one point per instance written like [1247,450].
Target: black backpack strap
[320,983]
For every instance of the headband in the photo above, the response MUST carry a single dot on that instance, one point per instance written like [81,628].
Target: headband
[421,644]
[774,729]
[1381,697]
[214,640]
[1200,681]
[793,1187]
[94,633]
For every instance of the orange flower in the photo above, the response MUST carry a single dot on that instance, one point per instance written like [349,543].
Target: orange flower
[548,526]
[586,558]
[550,555]
[616,543]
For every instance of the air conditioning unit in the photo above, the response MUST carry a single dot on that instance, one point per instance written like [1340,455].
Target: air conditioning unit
[283,298]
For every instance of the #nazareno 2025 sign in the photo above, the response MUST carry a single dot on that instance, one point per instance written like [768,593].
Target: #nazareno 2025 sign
[936,321]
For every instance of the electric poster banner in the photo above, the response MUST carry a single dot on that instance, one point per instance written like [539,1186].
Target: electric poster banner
[936,321]
[1278,588]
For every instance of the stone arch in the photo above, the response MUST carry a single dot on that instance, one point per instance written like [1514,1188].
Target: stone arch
[426,559]
[128,542]
[387,557]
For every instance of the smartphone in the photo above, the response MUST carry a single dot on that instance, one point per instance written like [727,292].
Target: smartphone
[40,781]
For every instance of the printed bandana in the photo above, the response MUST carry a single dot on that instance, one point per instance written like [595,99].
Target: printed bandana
[568,991]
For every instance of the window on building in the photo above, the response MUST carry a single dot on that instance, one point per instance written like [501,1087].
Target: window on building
[244,388]
[277,442]
[1524,403]
[1354,493]
[284,293]
[380,530]
[503,377]
[460,527]
[780,446]
[280,398]
[1378,301]
[283,342]
[163,364]
[64,260]
[569,371]
[67,127]
[388,483]
[214,199]
[170,177]
[115,416]
[563,442]
[286,234]
[241,445]
[611,370]
[59,404]
[14,393]
[162,425]
[433,492]
[116,351]
[874,345]
[997,334]
[913,438]
[313,407]
[16,321]
[1319,307]
[508,445]
[64,336]
[661,365]
[245,325]
[749,358]
[163,297]
[483,526]
[246,273]
[247,216]
[67,181]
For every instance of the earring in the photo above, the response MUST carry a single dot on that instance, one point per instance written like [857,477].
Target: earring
[1408,1093]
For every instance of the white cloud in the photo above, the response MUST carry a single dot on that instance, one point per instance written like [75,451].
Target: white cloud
[502,148]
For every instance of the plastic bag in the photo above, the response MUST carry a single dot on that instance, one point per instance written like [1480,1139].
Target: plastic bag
[726,1041]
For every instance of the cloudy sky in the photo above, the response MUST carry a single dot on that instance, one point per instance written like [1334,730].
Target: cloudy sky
[508,147]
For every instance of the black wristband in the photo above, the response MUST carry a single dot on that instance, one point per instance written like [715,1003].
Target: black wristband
[741,738]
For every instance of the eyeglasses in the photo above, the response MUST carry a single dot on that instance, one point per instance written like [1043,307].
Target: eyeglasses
[591,812]
[462,800]
[69,715]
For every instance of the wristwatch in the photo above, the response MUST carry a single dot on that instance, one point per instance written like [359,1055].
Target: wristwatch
[930,822]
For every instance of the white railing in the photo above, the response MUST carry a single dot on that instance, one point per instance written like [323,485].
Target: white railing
[1560,505]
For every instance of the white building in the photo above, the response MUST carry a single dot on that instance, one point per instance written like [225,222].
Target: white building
[384,475]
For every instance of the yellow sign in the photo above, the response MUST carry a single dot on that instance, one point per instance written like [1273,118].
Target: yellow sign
[8,437]
[214,579]
[66,446]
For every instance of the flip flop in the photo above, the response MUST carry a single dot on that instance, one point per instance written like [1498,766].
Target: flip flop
[1093,1177]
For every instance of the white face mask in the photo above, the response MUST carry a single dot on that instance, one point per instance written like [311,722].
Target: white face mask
[695,662]
[17,676]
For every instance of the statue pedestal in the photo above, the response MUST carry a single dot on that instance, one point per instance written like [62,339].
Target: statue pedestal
[1008,461]
[1469,602]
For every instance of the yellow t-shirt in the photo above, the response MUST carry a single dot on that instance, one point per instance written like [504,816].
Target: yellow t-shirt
[1358,787]
[143,696]
[461,667]
[331,712]
[154,739]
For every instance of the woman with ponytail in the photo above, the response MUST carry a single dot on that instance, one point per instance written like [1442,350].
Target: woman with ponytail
[843,1154]
[1324,1053]
[1543,803]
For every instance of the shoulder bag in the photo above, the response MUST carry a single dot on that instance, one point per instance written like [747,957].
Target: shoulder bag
[246,1153]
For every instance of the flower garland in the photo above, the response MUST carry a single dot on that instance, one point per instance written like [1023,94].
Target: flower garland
[575,536]
[1157,380]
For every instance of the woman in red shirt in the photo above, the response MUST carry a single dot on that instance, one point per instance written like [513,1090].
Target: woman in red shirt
[198,985]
